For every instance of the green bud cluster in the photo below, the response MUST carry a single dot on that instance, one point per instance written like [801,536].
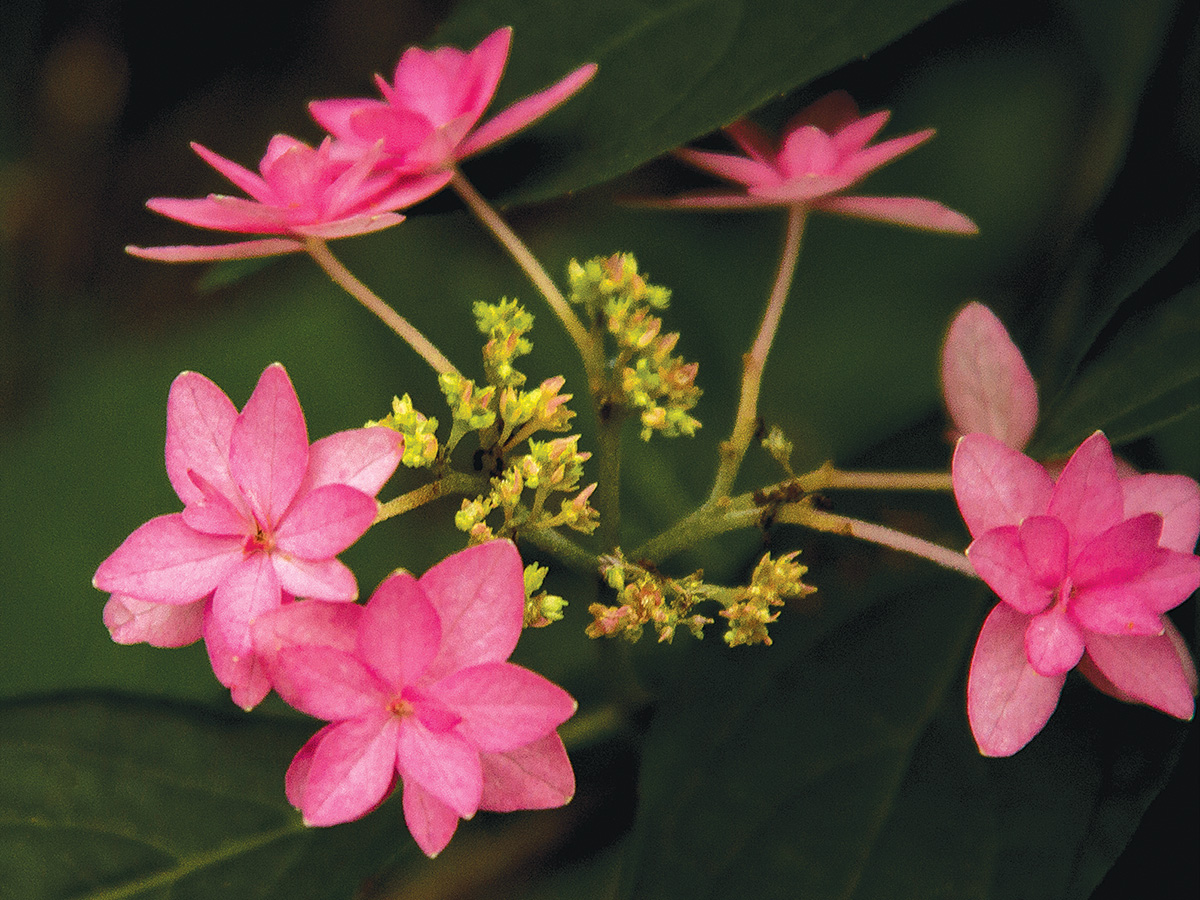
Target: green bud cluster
[541,608]
[647,598]
[751,609]
[645,376]
[420,439]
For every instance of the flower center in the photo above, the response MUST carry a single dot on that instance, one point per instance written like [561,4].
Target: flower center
[260,540]
[399,707]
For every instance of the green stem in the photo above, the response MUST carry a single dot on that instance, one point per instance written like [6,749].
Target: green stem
[451,483]
[746,422]
[564,550]
[829,478]
[592,361]
[802,514]
[608,479]
[345,279]
[709,521]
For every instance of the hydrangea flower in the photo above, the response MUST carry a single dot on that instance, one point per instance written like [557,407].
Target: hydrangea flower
[823,150]
[1085,567]
[427,119]
[416,688]
[987,385]
[300,193]
[264,518]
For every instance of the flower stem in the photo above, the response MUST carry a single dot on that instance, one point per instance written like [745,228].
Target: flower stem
[802,514]
[829,478]
[592,361]
[709,521]
[451,483]
[345,279]
[753,363]
[564,550]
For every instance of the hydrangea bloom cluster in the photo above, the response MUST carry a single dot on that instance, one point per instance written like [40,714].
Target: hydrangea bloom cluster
[1085,559]
[824,149]
[265,515]
[417,688]
[383,155]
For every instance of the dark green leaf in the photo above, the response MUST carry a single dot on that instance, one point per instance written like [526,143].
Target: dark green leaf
[670,70]
[1148,375]
[106,798]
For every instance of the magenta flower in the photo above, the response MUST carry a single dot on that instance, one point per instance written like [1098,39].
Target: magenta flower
[1085,568]
[301,193]
[986,383]
[823,151]
[416,687]
[427,118]
[264,518]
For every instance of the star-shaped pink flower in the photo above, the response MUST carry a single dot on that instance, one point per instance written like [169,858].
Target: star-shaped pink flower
[1085,567]
[823,150]
[427,120]
[416,687]
[264,518]
[301,193]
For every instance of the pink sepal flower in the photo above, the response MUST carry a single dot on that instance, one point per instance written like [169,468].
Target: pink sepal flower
[264,518]
[416,688]
[824,150]
[427,120]
[986,383]
[1084,575]
[300,193]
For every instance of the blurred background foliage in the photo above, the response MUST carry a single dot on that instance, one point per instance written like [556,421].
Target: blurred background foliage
[1068,130]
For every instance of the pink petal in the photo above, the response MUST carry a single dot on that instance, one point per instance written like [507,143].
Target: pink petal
[1134,607]
[995,485]
[320,579]
[536,776]
[133,621]
[216,513]
[214,252]
[268,452]
[806,151]
[806,189]
[165,561]
[200,421]
[411,189]
[753,140]
[856,134]
[871,158]
[732,168]
[367,223]
[1122,553]
[327,682]
[524,112]
[350,771]
[234,662]
[504,706]
[1003,561]
[830,113]
[325,521]
[363,458]
[1146,669]
[248,181]
[1007,701]
[222,213]
[915,212]
[296,779]
[307,623]
[400,632]
[1174,497]
[430,821]
[1087,495]
[444,764]
[479,596]
[1053,643]
[985,381]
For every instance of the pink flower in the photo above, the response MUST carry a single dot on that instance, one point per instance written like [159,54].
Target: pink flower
[264,518]
[823,151]
[1085,567]
[427,118]
[301,193]
[986,383]
[416,687]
